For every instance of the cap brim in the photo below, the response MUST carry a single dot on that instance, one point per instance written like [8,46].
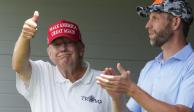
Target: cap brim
[69,37]
[143,11]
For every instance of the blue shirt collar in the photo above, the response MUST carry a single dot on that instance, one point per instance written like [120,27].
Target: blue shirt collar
[182,54]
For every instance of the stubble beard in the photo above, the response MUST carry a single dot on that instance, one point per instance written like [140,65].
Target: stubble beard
[161,37]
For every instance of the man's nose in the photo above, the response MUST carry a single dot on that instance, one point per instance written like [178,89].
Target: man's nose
[148,24]
[63,47]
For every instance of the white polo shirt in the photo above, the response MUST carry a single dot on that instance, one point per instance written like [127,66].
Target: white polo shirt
[49,91]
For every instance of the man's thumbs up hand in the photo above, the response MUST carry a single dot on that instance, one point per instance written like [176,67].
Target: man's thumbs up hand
[30,26]
[35,16]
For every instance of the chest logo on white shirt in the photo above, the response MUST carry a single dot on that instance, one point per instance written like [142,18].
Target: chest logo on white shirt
[91,99]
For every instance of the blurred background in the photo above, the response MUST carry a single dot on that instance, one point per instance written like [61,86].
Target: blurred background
[111,31]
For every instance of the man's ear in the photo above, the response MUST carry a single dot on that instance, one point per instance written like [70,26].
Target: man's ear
[50,55]
[49,51]
[82,51]
[176,23]
[81,48]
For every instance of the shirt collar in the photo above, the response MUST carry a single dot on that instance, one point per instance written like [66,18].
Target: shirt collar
[182,54]
[86,78]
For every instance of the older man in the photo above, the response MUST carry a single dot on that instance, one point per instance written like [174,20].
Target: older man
[67,86]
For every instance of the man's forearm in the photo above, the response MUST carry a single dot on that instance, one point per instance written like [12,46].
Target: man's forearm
[119,105]
[21,53]
[153,105]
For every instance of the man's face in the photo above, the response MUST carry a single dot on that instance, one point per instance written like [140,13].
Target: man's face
[65,53]
[159,28]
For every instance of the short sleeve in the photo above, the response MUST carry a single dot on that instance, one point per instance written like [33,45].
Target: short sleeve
[26,88]
[133,106]
[186,91]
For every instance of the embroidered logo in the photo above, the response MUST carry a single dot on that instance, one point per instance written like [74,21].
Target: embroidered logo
[91,99]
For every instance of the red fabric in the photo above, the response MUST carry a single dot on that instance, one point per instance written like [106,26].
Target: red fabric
[64,29]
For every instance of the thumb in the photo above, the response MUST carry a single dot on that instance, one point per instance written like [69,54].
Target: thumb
[121,69]
[124,73]
[35,16]
[128,74]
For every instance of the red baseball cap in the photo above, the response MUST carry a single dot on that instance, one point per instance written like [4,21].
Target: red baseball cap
[64,29]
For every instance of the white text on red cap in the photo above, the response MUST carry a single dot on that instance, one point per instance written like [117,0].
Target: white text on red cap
[62,25]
